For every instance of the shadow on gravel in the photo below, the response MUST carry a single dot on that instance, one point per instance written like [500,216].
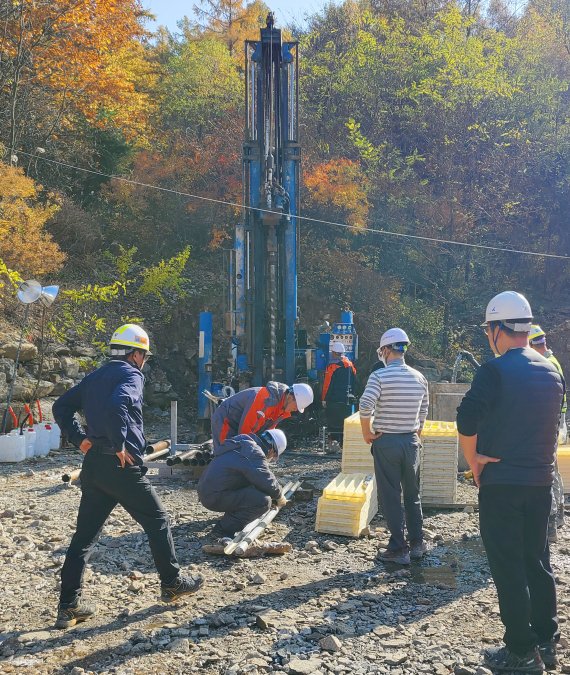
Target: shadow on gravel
[343,618]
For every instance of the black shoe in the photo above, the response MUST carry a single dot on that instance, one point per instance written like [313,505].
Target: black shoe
[503,659]
[68,616]
[218,532]
[400,557]
[180,587]
[548,653]
[418,550]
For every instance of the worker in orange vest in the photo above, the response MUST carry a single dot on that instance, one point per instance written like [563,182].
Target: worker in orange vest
[257,409]
[338,390]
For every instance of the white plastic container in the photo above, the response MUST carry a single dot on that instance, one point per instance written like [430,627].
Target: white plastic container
[31,437]
[55,437]
[12,448]
[43,432]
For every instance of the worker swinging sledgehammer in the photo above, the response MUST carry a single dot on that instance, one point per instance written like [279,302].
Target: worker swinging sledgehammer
[239,483]
[257,409]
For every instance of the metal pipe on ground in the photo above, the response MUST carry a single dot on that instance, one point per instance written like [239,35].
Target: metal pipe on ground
[253,530]
[187,457]
[70,477]
[151,448]
[156,455]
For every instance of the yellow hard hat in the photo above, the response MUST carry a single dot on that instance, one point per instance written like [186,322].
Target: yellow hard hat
[130,335]
[536,335]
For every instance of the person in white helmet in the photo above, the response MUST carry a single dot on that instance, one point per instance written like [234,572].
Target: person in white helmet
[339,385]
[257,409]
[113,472]
[239,483]
[393,409]
[508,428]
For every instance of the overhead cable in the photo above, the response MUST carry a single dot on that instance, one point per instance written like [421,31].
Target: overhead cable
[213,200]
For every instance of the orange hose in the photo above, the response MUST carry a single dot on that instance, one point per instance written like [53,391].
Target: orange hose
[13,416]
[29,414]
[41,417]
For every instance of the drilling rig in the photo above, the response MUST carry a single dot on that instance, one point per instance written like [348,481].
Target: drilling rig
[263,265]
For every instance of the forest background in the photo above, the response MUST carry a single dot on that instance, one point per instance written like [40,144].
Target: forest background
[438,118]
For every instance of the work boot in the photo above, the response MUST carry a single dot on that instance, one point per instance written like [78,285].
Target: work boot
[69,615]
[180,587]
[502,659]
[552,534]
[399,557]
[418,550]
[547,651]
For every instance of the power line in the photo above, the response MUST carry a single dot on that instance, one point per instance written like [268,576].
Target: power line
[213,200]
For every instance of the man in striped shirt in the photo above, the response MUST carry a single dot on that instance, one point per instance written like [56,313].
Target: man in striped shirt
[393,409]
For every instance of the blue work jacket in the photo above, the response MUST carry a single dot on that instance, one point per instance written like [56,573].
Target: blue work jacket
[111,400]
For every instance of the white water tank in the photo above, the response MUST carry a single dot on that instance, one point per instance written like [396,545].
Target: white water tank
[12,448]
[55,436]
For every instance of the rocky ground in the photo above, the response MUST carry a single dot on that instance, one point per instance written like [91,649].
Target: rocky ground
[329,608]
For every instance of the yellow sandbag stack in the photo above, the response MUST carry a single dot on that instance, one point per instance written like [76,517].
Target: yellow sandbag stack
[356,455]
[564,466]
[348,504]
[350,501]
[438,465]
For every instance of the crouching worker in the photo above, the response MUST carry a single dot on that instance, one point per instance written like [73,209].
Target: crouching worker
[113,471]
[238,481]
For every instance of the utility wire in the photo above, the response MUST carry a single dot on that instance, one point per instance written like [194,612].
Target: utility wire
[213,200]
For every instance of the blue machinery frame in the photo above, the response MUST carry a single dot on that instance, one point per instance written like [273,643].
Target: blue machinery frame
[263,293]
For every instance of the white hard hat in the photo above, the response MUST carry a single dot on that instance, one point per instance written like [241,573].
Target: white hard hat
[338,347]
[279,440]
[512,309]
[394,336]
[303,396]
[129,337]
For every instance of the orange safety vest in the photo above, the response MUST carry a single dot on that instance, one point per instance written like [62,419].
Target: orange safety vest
[329,372]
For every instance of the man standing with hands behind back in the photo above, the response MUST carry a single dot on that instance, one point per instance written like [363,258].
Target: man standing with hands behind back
[508,428]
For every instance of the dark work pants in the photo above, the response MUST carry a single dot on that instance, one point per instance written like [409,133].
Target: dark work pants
[239,507]
[397,466]
[514,521]
[104,485]
[335,414]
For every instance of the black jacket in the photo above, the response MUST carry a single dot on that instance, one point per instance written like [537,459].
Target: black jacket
[514,408]
[238,463]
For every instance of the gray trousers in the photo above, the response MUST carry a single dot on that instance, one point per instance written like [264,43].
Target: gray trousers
[397,469]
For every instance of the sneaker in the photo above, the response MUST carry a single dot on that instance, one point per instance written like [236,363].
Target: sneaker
[400,557]
[180,587]
[218,532]
[503,659]
[418,550]
[548,653]
[68,616]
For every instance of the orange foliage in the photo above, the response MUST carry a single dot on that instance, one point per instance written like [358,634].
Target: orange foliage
[25,246]
[81,55]
[340,183]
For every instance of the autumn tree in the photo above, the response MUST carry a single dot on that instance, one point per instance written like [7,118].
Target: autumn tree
[25,245]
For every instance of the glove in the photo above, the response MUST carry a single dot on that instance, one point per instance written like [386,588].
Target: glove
[281,501]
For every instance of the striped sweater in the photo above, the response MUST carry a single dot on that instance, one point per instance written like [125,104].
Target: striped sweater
[397,397]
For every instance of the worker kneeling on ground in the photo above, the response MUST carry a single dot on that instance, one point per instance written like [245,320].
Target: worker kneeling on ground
[239,483]
[257,409]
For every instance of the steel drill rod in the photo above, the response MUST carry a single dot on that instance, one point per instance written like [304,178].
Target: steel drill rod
[151,448]
[240,536]
[246,542]
[156,455]
[185,457]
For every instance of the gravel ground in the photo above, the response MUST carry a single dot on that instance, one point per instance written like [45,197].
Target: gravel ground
[332,608]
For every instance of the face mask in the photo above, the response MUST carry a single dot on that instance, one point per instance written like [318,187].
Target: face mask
[381,355]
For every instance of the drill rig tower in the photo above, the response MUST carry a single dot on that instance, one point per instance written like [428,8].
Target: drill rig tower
[263,294]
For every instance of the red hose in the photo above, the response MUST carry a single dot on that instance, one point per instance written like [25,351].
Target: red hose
[13,416]
[41,417]
[29,414]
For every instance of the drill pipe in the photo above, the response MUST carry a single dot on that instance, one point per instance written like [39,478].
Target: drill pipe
[181,457]
[253,530]
[151,448]
[70,477]
[156,455]
[197,462]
